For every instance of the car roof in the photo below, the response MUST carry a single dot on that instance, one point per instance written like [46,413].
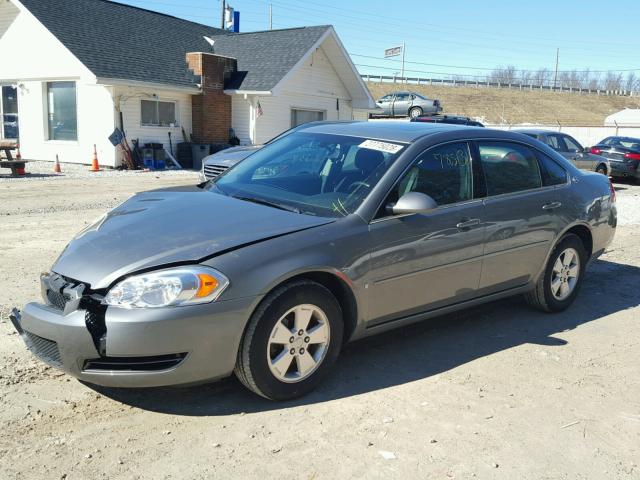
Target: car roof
[405,132]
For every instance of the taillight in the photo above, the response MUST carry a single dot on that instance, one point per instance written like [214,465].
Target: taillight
[595,150]
[613,191]
[632,156]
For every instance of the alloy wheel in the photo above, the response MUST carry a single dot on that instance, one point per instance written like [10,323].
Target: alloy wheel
[298,343]
[564,276]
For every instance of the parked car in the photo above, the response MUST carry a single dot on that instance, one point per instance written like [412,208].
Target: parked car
[403,104]
[450,119]
[218,163]
[623,154]
[326,235]
[569,148]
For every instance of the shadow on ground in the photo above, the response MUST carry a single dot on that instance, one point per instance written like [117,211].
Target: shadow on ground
[415,352]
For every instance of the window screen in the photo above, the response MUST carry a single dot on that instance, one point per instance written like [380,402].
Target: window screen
[155,113]
[298,117]
[508,167]
[62,114]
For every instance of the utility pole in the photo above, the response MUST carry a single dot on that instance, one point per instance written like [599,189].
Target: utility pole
[555,75]
[223,2]
[402,74]
[270,16]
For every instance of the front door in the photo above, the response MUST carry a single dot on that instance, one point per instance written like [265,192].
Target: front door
[420,262]
[9,112]
[401,104]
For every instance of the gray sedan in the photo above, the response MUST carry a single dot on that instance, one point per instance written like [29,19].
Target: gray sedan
[402,104]
[327,235]
[569,148]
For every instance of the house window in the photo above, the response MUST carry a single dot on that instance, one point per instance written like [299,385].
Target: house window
[298,117]
[155,113]
[62,112]
[8,112]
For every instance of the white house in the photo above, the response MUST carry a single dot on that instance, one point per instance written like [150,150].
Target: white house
[74,70]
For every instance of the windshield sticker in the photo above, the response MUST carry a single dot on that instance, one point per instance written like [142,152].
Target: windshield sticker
[381,146]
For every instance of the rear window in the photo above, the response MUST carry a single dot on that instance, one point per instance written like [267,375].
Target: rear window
[552,172]
[509,167]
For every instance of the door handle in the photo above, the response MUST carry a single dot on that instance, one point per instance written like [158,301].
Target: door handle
[468,223]
[551,205]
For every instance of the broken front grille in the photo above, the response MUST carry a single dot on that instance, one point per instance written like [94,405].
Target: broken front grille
[56,299]
[46,350]
[212,171]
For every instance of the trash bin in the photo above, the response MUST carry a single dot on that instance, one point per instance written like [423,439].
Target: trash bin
[198,152]
[185,158]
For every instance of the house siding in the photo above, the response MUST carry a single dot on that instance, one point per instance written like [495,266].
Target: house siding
[315,85]
[129,98]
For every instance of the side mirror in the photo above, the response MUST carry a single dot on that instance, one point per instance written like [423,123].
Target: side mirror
[413,202]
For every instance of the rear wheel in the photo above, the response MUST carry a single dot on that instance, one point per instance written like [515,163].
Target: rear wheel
[414,112]
[291,342]
[558,287]
[602,168]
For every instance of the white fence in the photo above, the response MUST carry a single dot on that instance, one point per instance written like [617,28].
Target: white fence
[461,82]
[587,135]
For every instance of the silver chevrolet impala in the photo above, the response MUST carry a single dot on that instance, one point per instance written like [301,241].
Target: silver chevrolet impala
[327,235]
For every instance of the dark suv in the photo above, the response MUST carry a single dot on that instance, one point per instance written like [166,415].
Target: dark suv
[451,119]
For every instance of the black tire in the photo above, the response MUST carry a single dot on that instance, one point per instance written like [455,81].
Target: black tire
[414,112]
[602,168]
[541,296]
[252,368]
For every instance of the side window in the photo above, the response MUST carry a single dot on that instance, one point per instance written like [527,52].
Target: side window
[555,142]
[552,173]
[572,145]
[508,167]
[443,173]
[386,98]
[401,97]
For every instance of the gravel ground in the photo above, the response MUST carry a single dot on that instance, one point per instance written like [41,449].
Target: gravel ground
[498,392]
[40,170]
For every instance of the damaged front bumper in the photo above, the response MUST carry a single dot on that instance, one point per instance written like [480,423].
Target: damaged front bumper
[139,347]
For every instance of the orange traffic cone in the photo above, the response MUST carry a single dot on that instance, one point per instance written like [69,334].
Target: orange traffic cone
[95,166]
[18,154]
[56,166]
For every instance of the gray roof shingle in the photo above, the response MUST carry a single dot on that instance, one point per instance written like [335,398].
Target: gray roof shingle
[119,41]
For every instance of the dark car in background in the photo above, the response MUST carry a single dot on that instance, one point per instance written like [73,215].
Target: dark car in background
[449,119]
[623,154]
[403,104]
[569,148]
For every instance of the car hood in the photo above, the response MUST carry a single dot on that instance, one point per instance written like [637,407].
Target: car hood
[177,225]
[230,156]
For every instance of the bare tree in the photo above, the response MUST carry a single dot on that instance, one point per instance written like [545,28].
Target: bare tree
[631,82]
[612,81]
[503,74]
[541,76]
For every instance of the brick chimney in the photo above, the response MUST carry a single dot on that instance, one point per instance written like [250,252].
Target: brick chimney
[211,110]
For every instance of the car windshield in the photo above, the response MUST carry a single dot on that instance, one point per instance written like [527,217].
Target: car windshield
[311,173]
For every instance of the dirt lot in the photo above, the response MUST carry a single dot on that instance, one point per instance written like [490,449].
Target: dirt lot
[499,391]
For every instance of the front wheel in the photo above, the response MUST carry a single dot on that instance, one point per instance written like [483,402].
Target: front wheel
[291,342]
[558,286]
[414,112]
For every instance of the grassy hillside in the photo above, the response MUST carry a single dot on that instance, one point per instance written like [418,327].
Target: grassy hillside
[497,105]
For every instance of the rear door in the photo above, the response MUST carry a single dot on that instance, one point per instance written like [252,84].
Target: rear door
[521,215]
[424,261]
[575,152]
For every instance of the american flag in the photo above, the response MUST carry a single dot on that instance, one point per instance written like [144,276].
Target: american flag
[259,111]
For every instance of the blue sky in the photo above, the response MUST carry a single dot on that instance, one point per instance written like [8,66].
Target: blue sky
[451,37]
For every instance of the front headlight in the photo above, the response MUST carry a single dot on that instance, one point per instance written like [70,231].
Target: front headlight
[163,288]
